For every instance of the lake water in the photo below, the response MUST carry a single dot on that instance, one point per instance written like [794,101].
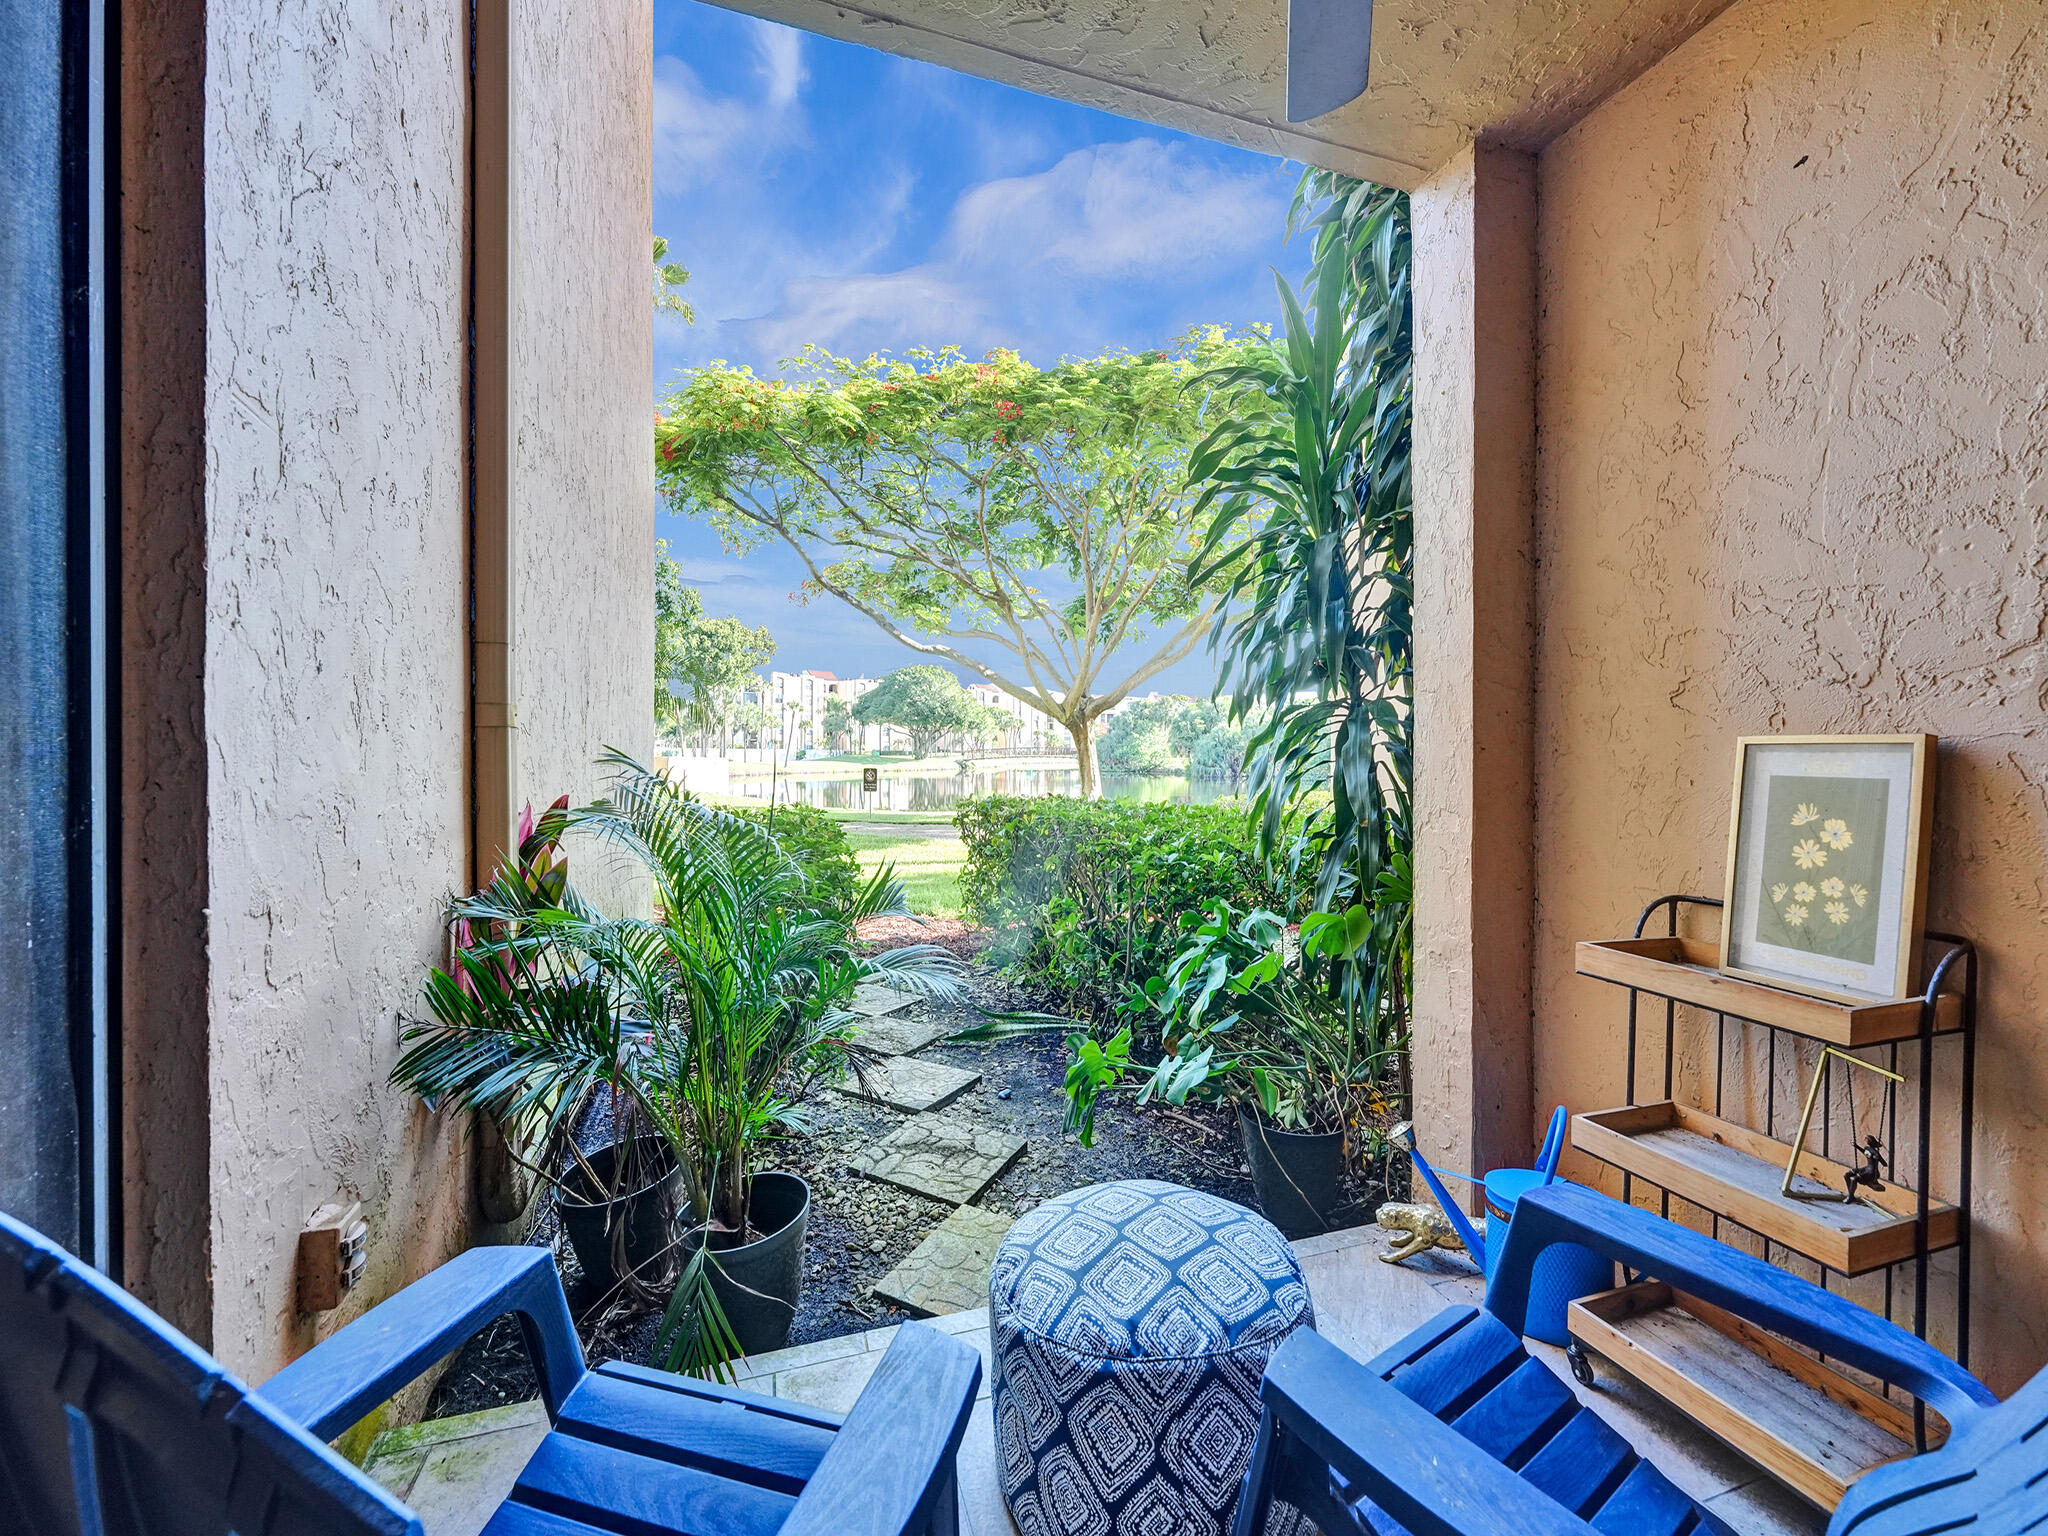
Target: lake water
[941,792]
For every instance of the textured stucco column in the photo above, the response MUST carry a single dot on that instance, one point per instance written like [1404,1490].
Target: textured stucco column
[1475,302]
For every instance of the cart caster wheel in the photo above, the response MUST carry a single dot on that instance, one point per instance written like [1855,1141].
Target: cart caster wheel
[1582,1364]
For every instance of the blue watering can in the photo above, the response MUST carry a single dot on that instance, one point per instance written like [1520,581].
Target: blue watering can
[1564,1273]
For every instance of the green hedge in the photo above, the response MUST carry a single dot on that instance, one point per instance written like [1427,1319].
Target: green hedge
[819,846]
[1088,897]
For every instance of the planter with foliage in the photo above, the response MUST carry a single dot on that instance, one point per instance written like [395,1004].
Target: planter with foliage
[1311,539]
[705,1024]
[617,1206]
[1276,1021]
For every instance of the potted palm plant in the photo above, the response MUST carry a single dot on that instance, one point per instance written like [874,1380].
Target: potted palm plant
[706,1023]
[1278,1022]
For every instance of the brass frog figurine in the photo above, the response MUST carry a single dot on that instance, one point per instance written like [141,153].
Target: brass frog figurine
[1423,1227]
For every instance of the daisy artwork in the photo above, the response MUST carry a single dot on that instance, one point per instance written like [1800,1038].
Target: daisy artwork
[1827,863]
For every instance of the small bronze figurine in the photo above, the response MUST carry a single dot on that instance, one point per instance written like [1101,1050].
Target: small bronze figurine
[1423,1227]
[1871,1175]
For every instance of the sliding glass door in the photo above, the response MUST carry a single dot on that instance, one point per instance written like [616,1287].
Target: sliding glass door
[57,1053]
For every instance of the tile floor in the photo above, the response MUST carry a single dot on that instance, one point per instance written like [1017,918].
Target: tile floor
[455,1471]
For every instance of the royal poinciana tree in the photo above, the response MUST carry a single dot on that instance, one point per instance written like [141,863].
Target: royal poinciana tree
[974,508]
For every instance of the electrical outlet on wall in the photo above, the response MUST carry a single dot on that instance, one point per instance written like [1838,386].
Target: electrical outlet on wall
[332,1252]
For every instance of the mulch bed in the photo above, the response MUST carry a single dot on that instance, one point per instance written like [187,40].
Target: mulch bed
[963,939]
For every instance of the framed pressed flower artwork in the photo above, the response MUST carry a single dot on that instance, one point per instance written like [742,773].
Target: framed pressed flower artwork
[1827,864]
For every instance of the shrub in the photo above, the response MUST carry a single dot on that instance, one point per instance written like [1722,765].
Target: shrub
[1136,743]
[819,846]
[1220,753]
[1089,898]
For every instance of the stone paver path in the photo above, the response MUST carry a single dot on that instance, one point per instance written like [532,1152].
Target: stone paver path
[948,1271]
[454,1472]
[941,1157]
[900,1034]
[874,1000]
[908,1084]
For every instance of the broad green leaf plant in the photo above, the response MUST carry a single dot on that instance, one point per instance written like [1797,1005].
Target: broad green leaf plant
[708,1021]
[1255,1013]
[1042,513]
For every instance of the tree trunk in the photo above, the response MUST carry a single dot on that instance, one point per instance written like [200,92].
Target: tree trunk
[729,1202]
[1083,732]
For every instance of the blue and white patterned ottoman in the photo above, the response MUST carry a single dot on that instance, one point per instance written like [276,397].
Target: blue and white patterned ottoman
[1131,1324]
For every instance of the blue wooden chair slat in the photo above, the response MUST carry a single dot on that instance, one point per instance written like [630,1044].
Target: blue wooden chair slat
[1462,1368]
[724,1435]
[1420,1340]
[112,1424]
[1645,1505]
[615,1491]
[1995,1466]
[1519,1416]
[1582,1465]
[719,1392]
[1437,1453]
[524,1520]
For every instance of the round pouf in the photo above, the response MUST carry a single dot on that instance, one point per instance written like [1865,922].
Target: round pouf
[1131,1323]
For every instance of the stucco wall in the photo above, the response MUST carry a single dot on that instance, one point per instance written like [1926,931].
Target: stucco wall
[336,593]
[1475,296]
[337,641]
[1794,347]
[586,382]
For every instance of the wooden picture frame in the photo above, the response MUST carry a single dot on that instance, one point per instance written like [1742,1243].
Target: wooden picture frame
[1826,888]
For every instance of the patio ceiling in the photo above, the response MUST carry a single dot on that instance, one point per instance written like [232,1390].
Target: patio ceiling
[1444,71]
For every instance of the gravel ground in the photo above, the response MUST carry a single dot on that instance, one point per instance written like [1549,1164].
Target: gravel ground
[860,1230]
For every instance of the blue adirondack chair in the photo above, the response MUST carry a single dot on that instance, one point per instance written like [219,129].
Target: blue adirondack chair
[1456,1431]
[114,1424]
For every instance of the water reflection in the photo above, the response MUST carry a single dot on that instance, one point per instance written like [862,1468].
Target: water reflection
[941,792]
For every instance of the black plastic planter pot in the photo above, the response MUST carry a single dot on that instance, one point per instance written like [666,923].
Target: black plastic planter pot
[647,1211]
[759,1284]
[1299,1176]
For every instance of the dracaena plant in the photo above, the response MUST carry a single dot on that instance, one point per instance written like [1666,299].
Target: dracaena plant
[1310,509]
[707,1021]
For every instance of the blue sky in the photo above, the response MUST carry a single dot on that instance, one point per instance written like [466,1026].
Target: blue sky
[820,191]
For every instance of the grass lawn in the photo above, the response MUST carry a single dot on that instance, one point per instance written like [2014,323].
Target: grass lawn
[899,818]
[850,766]
[928,866]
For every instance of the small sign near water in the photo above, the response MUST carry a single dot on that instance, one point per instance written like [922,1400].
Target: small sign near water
[876,790]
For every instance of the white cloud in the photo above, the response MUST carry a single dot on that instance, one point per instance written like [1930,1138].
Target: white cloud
[781,52]
[1117,209]
[1044,245]
[700,133]
[900,307]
